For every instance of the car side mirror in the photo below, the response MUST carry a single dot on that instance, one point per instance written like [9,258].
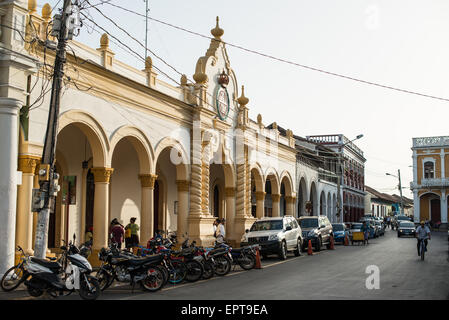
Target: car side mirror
[322,226]
[247,230]
[288,228]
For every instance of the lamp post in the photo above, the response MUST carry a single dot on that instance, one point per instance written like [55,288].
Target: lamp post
[399,187]
[340,171]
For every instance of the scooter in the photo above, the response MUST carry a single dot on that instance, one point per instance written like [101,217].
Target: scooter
[71,273]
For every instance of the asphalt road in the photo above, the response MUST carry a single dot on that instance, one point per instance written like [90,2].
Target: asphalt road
[329,274]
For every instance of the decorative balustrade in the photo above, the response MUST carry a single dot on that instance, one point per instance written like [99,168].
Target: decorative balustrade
[431,142]
[430,183]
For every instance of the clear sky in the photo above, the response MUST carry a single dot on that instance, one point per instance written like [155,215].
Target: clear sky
[401,43]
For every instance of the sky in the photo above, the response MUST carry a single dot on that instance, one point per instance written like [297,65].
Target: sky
[401,43]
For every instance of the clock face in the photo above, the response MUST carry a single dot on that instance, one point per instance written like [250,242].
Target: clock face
[222,103]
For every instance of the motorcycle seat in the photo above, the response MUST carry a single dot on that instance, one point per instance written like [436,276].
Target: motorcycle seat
[145,260]
[47,264]
[217,250]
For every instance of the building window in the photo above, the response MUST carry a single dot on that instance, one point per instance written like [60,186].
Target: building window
[429,170]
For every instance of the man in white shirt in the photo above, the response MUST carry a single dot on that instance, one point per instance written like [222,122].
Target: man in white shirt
[422,233]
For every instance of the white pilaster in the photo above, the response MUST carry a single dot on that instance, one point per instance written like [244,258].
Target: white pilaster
[443,173]
[416,203]
[8,180]
[443,207]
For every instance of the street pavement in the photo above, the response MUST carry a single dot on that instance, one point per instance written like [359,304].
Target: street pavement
[329,274]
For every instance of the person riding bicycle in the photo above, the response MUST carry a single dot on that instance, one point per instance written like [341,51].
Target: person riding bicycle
[422,233]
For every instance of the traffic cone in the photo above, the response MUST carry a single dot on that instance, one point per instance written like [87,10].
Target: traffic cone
[309,249]
[332,243]
[346,240]
[258,263]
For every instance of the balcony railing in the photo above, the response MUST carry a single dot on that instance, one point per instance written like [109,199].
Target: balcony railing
[431,142]
[430,183]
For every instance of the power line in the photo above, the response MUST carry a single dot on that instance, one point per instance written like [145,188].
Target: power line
[284,60]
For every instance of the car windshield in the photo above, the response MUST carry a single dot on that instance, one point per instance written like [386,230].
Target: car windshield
[406,224]
[267,225]
[308,223]
[356,226]
[338,227]
[403,218]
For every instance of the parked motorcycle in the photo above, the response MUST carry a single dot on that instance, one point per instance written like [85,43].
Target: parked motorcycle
[71,273]
[125,267]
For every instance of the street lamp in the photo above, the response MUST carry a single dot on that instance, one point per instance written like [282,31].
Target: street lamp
[399,187]
[340,171]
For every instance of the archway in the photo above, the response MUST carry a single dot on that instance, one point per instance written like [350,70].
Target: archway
[322,203]
[313,200]
[272,196]
[257,193]
[430,207]
[302,197]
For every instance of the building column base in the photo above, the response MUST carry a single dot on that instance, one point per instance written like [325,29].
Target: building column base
[201,230]
[240,225]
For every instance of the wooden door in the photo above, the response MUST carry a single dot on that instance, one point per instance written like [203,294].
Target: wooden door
[435,210]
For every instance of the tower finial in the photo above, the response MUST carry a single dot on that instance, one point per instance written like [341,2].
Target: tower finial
[242,100]
[217,32]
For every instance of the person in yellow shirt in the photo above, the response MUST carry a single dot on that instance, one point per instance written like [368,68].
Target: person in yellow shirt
[132,233]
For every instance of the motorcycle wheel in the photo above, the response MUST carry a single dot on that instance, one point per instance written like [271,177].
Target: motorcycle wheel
[89,294]
[178,273]
[208,270]
[12,278]
[247,261]
[32,288]
[195,270]
[222,265]
[104,279]
[154,280]
[165,272]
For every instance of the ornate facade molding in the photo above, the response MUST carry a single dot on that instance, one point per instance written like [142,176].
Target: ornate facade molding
[147,180]
[101,174]
[28,164]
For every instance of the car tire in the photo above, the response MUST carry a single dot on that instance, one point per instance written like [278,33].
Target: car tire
[298,249]
[399,235]
[264,256]
[283,251]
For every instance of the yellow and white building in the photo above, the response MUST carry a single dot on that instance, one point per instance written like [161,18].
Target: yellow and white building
[131,145]
[430,184]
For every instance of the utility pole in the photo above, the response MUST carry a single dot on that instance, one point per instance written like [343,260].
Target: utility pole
[400,191]
[146,29]
[44,197]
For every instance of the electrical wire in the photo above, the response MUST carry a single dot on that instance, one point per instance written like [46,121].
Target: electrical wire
[287,61]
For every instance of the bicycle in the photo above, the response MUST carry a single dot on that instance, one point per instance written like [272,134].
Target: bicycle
[422,248]
[15,275]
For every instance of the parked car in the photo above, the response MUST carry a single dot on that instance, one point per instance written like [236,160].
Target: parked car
[340,231]
[399,218]
[275,235]
[318,229]
[380,228]
[406,228]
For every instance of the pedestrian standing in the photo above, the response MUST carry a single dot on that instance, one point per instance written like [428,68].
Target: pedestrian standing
[133,233]
[118,234]
[365,230]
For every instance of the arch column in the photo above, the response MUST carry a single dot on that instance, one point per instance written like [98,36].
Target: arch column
[102,177]
[147,207]
[230,213]
[183,208]
[24,222]
[290,205]
[260,199]
[9,108]
[443,204]
[275,198]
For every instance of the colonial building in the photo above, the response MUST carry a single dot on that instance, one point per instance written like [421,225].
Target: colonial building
[352,178]
[316,177]
[430,184]
[378,204]
[130,144]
